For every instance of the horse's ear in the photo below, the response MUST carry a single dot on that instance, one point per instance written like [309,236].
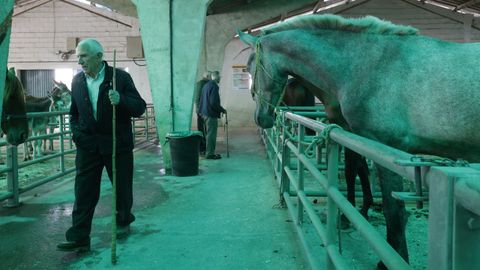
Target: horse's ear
[247,39]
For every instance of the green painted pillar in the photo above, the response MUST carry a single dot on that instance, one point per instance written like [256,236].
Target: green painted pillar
[172,34]
[6,10]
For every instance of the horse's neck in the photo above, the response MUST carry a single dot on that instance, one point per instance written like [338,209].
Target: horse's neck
[327,61]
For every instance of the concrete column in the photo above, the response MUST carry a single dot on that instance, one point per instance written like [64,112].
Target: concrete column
[467,27]
[6,9]
[172,34]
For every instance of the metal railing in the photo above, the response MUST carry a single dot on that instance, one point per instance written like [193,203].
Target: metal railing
[144,128]
[144,131]
[287,146]
[62,134]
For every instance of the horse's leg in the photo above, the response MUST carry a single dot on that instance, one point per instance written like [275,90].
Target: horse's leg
[394,212]
[350,175]
[26,151]
[51,130]
[38,145]
[363,174]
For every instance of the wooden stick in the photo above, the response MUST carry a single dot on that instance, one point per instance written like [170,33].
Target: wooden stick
[114,167]
[226,125]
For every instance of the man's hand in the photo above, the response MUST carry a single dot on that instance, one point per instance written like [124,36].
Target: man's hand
[114,97]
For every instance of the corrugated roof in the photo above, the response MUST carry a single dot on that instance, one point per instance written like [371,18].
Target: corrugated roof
[223,6]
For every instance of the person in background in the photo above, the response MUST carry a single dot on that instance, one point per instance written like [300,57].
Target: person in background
[91,125]
[211,110]
[200,121]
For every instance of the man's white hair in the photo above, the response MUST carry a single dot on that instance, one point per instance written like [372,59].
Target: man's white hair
[91,45]
[206,75]
[215,75]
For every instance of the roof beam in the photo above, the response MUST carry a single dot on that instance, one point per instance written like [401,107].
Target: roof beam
[318,5]
[467,4]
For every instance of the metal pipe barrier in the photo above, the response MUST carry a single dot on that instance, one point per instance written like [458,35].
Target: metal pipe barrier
[144,128]
[146,132]
[454,195]
[14,187]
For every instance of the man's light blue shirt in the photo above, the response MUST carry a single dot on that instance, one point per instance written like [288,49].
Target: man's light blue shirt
[93,86]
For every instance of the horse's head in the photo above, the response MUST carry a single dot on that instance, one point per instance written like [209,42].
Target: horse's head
[14,114]
[61,96]
[268,81]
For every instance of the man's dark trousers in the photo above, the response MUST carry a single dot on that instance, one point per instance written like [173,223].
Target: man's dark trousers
[202,128]
[87,190]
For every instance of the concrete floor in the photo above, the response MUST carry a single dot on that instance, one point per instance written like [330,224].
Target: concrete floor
[221,219]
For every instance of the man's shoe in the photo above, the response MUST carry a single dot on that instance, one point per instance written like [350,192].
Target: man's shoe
[79,246]
[123,231]
[215,156]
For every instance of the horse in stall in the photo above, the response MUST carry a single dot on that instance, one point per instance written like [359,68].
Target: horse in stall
[295,94]
[62,99]
[58,100]
[14,116]
[389,84]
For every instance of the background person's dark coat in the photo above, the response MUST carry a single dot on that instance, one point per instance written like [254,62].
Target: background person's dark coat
[210,100]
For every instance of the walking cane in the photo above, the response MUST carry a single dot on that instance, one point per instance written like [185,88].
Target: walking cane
[114,167]
[226,128]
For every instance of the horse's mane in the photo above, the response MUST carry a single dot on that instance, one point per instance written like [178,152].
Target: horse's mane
[12,85]
[368,24]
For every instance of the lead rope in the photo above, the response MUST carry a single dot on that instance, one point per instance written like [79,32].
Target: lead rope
[321,139]
[258,64]
[114,167]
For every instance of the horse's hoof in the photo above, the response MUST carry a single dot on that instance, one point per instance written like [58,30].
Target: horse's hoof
[344,223]
[381,266]
[364,213]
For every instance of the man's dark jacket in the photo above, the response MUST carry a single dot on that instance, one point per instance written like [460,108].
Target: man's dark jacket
[92,135]
[210,101]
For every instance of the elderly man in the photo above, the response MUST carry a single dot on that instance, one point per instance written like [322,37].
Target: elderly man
[211,110]
[91,125]
[200,121]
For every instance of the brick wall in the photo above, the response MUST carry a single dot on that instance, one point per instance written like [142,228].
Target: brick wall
[41,29]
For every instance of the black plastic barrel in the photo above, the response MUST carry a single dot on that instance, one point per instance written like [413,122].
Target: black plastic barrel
[184,146]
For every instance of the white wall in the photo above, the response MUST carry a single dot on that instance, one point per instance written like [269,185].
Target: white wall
[238,103]
[38,32]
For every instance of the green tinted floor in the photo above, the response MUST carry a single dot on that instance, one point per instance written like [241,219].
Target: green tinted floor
[224,218]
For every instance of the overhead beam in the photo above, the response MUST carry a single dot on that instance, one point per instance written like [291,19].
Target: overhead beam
[465,5]
[125,7]
[318,5]
[227,7]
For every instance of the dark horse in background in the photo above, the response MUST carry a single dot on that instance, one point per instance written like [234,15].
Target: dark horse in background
[388,83]
[58,99]
[14,115]
[296,94]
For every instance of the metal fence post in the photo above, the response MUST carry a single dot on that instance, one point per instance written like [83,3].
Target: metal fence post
[300,172]
[332,209]
[62,145]
[12,176]
[284,180]
[146,124]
